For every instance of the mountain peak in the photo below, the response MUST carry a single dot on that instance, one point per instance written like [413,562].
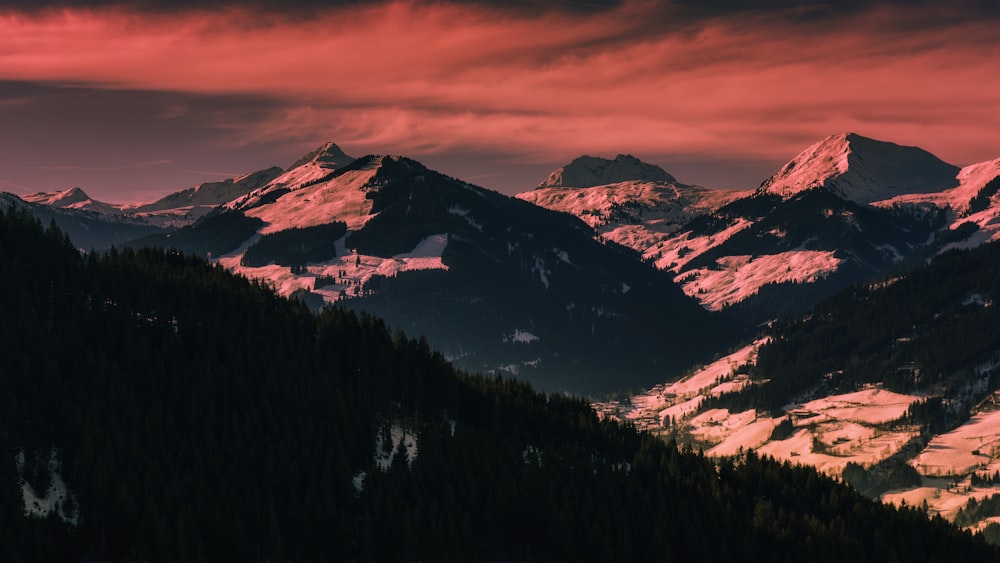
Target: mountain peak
[589,171]
[861,169]
[327,155]
[64,198]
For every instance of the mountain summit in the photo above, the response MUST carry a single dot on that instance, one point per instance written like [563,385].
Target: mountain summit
[861,170]
[73,198]
[328,154]
[64,198]
[588,171]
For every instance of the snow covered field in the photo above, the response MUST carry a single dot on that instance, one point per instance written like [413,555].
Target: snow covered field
[351,271]
[864,427]
[973,446]
[736,278]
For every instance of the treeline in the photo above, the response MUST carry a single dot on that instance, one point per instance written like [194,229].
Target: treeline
[196,416]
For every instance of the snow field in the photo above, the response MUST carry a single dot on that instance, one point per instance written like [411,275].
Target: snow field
[340,199]
[677,251]
[739,277]
[357,269]
[654,408]
[974,445]
[52,499]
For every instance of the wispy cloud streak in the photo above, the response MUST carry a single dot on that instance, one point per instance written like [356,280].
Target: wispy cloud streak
[432,78]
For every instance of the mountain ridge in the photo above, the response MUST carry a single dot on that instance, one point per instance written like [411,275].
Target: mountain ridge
[752,255]
[466,266]
[843,210]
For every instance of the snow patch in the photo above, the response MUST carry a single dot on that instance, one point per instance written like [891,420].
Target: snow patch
[674,253]
[57,498]
[669,403]
[463,212]
[736,278]
[543,273]
[962,450]
[976,299]
[387,443]
[521,337]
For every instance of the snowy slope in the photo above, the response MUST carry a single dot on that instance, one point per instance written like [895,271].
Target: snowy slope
[313,167]
[339,198]
[843,210]
[970,180]
[827,433]
[319,189]
[975,200]
[862,170]
[609,206]
[735,278]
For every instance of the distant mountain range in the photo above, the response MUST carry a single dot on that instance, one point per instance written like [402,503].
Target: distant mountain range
[843,211]
[503,286]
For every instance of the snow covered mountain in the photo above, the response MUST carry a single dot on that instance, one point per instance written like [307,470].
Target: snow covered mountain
[843,211]
[861,170]
[88,229]
[496,283]
[73,198]
[99,225]
[627,201]
[186,206]
[589,171]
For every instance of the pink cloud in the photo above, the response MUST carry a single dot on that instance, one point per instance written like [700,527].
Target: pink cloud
[429,78]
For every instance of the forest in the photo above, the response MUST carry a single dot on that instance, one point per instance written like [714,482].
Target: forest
[197,416]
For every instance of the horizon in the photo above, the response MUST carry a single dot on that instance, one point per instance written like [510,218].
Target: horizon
[132,101]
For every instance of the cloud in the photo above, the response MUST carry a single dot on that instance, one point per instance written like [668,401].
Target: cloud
[640,76]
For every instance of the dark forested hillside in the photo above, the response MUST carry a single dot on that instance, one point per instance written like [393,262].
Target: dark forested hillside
[933,331]
[196,416]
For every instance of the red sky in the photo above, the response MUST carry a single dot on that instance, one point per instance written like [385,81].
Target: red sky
[130,104]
